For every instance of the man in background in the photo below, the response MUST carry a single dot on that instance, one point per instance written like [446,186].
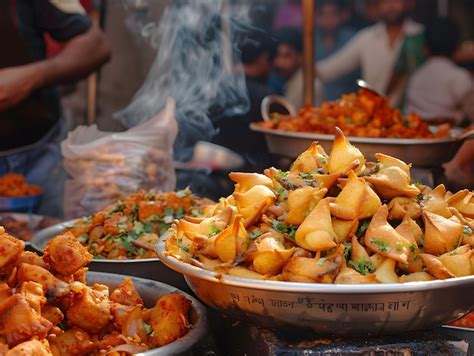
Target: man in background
[257,55]
[331,36]
[30,111]
[380,51]
[440,91]
[288,66]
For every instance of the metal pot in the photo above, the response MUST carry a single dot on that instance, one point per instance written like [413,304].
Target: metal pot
[150,291]
[330,308]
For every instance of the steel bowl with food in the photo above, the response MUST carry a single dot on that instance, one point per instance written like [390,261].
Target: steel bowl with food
[16,195]
[122,237]
[375,253]
[370,123]
[51,303]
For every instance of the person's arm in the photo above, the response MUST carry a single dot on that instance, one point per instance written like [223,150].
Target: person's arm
[347,59]
[79,56]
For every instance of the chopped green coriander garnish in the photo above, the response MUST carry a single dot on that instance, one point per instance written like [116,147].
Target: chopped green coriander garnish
[362,266]
[382,245]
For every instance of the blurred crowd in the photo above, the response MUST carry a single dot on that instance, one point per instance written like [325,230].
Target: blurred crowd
[423,68]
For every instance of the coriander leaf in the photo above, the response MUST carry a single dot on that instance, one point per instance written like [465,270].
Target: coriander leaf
[399,246]
[99,257]
[254,234]
[182,246]
[288,230]
[347,249]
[362,266]
[382,245]
[420,197]
[213,230]
[413,247]
[179,213]
[83,238]
[362,228]
[148,328]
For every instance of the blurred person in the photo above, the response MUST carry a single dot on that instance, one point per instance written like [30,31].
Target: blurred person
[30,111]
[288,66]
[332,35]
[383,51]
[440,91]
[257,56]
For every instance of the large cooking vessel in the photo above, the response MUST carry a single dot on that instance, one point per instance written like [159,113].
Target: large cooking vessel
[420,152]
[330,308]
[150,291]
[150,268]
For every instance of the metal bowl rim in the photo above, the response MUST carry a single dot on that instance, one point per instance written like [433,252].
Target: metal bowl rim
[198,330]
[280,286]
[34,244]
[353,139]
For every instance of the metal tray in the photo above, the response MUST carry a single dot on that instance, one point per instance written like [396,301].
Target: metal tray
[330,308]
[150,268]
[150,291]
[419,152]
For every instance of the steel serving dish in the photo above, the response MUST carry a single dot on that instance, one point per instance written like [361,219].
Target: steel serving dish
[330,308]
[419,152]
[150,291]
[150,268]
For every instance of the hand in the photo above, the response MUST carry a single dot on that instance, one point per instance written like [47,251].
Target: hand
[16,83]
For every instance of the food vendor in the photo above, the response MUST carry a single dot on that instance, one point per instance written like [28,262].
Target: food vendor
[397,42]
[30,111]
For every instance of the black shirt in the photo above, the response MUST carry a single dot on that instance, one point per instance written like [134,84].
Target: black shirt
[23,25]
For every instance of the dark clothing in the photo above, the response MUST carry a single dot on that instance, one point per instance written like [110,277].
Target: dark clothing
[23,25]
[235,134]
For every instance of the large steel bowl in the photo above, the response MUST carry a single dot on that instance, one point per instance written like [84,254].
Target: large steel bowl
[150,268]
[330,308]
[150,291]
[420,152]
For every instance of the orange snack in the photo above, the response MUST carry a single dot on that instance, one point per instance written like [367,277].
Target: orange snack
[15,185]
[362,114]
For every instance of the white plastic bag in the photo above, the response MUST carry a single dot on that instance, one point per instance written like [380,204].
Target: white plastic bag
[105,166]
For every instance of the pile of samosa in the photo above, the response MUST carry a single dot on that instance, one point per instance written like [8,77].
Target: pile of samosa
[332,219]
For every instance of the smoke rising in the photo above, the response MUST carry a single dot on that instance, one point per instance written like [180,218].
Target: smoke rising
[197,63]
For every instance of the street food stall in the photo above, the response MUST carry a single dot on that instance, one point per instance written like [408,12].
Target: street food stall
[355,247]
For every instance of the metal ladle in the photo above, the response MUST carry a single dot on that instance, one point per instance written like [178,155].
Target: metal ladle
[361,83]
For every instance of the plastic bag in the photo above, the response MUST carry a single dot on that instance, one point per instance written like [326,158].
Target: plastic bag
[106,166]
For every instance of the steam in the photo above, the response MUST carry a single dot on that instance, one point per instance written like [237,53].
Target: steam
[196,64]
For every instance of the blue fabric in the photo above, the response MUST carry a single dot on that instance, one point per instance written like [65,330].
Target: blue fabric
[277,84]
[346,83]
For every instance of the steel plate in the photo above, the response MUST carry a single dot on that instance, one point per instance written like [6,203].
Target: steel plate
[150,268]
[330,308]
[419,152]
[150,291]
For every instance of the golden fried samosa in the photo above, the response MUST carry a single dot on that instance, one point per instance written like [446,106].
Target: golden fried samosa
[350,276]
[253,203]
[383,239]
[344,229]
[232,242]
[386,272]
[314,270]
[399,207]
[344,157]
[245,181]
[316,232]
[301,201]
[270,255]
[435,267]
[458,261]
[463,201]
[311,160]
[356,200]
[393,178]
[416,277]
[441,234]
[434,202]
